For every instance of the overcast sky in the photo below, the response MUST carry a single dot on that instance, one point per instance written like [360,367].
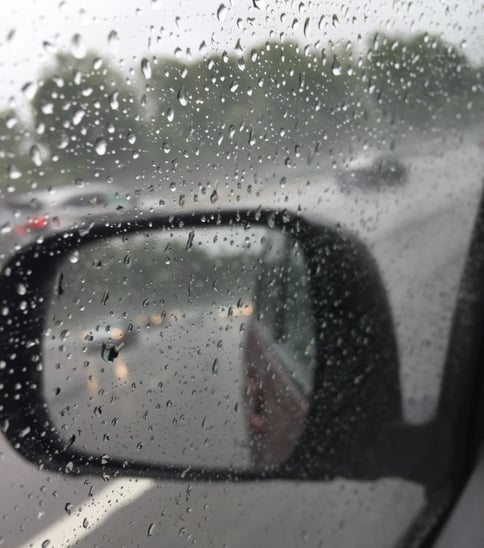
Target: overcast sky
[31,30]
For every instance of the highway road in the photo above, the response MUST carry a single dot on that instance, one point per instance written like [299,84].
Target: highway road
[170,399]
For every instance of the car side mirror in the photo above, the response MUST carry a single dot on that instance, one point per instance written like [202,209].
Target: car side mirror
[219,345]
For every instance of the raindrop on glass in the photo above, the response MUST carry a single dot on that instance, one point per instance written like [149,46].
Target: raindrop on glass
[13,172]
[78,116]
[78,47]
[74,257]
[35,155]
[221,12]
[101,147]
[182,98]
[146,68]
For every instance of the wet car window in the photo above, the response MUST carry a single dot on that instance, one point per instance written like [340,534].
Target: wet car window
[363,117]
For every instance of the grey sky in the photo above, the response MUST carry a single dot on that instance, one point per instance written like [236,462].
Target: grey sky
[161,26]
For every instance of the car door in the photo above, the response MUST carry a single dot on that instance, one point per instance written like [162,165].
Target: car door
[247,106]
[279,354]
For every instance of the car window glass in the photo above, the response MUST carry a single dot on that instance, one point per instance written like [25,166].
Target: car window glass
[366,117]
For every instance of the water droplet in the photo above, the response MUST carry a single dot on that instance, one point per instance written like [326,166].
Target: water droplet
[113,100]
[335,21]
[13,172]
[78,46]
[63,142]
[191,236]
[24,432]
[170,115]
[68,508]
[182,98]
[35,155]
[271,220]
[113,40]
[29,90]
[131,138]
[214,196]
[101,146]
[306,27]
[45,543]
[85,523]
[78,116]
[11,122]
[74,257]
[21,289]
[151,528]
[185,472]
[146,68]
[336,68]
[49,47]
[221,12]
[215,366]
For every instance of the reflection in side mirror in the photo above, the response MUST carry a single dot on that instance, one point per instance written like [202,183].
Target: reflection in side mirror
[182,347]
[221,346]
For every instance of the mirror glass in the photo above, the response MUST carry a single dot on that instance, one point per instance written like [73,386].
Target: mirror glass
[189,347]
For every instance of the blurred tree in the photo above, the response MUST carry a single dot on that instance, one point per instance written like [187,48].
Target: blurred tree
[420,79]
[14,148]
[275,95]
[260,103]
[87,116]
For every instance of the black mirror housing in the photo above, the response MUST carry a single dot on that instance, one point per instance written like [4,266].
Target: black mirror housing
[355,404]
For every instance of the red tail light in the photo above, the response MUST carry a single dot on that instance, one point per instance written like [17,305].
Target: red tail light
[39,222]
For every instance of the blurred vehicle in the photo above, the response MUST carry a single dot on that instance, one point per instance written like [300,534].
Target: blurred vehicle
[153,320]
[372,172]
[109,336]
[31,215]
[235,310]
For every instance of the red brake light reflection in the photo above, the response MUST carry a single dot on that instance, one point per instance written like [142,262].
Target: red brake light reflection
[39,222]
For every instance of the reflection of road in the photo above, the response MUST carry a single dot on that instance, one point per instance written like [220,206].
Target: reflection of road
[173,395]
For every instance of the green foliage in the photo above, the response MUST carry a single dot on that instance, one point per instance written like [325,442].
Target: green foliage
[88,114]
[276,95]
[14,158]
[422,81]
[268,101]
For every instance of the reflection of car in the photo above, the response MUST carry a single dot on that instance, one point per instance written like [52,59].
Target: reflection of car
[109,336]
[373,172]
[278,355]
[32,214]
[157,319]
[236,310]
